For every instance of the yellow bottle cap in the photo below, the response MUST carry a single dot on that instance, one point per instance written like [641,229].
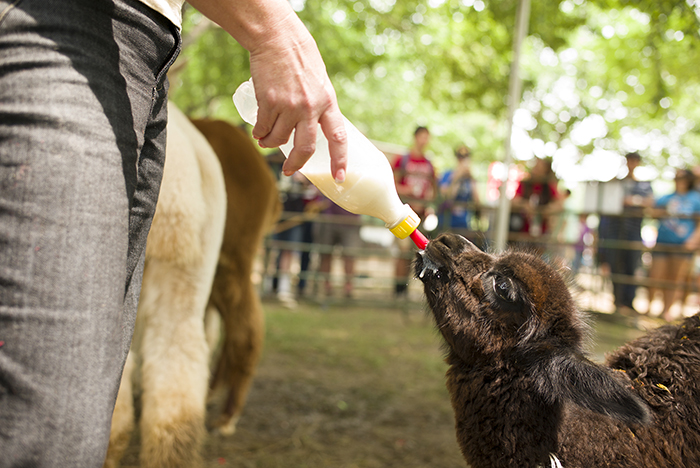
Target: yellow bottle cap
[406,227]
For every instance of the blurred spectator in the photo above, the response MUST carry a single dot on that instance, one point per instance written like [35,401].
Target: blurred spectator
[340,228]
[535,199]
[458,187]
[415,179]
[559,220]
[623,260]
[677,238]
[584,240]
[296,192]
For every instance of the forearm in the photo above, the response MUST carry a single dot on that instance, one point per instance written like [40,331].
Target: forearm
[253,23]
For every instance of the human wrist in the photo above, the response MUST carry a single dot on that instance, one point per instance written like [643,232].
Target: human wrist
[255,24]
[274,33]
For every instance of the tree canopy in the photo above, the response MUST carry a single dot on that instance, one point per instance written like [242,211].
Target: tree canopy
[600,76]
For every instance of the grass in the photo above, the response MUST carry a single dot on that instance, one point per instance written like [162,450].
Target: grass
[341,387]
[352,387]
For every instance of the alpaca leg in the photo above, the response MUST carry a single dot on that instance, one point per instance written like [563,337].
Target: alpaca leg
[212,330]
[122,418]
[244,327]
[172,423]
[175,372]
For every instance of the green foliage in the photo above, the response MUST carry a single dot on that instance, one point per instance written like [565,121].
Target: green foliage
[215,64]
[446,64]
[629,65]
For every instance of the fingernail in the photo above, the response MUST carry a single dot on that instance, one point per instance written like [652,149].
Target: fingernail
[340,176]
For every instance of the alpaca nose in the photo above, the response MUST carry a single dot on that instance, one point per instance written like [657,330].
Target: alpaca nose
[455,243]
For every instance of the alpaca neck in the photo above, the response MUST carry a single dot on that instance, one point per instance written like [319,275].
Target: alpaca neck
[501,420]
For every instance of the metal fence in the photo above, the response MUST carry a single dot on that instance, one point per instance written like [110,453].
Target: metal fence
[374,260]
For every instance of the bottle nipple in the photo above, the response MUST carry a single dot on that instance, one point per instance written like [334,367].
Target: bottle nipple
[419,239]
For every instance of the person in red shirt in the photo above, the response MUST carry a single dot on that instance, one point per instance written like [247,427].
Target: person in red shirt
[415,174]
[416,183]
[535,197]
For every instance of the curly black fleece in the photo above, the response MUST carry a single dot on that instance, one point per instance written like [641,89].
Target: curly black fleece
[521,386]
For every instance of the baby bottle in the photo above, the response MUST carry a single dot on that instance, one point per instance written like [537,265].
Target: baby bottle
[369,186]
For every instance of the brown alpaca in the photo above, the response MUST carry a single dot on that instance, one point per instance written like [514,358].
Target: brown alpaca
[523,392]
[187,268]
[253,208]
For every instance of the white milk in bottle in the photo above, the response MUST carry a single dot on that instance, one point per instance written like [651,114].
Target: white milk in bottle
[369,186]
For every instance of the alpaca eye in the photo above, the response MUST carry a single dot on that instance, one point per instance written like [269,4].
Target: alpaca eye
[503,287]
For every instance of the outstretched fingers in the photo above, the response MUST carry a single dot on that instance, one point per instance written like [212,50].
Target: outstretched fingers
[304,146]
[333,127]
[305,134]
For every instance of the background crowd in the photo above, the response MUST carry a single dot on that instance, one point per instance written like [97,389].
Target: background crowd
[607,241]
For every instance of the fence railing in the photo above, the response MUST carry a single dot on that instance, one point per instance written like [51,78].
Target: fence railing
[374,260]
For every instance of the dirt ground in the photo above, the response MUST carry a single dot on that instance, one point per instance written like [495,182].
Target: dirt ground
[349,388]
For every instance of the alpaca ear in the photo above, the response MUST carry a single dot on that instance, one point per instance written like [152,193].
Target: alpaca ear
[592,386]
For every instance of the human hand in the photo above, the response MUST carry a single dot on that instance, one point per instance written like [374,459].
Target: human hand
[294,93]
[291,84]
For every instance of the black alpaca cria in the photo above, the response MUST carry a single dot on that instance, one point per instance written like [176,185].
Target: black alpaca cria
[524,392]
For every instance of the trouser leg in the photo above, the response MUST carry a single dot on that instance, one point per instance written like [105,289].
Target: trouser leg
[82,135]
[630,262]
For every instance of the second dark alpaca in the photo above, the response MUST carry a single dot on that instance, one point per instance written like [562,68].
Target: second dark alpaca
[523,391]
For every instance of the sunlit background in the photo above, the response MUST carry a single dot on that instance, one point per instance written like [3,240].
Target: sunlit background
[600,78]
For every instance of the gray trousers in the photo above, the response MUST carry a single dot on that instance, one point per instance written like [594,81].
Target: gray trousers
[82,144]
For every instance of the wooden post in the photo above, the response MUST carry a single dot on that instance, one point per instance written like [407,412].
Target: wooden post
[514,91]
